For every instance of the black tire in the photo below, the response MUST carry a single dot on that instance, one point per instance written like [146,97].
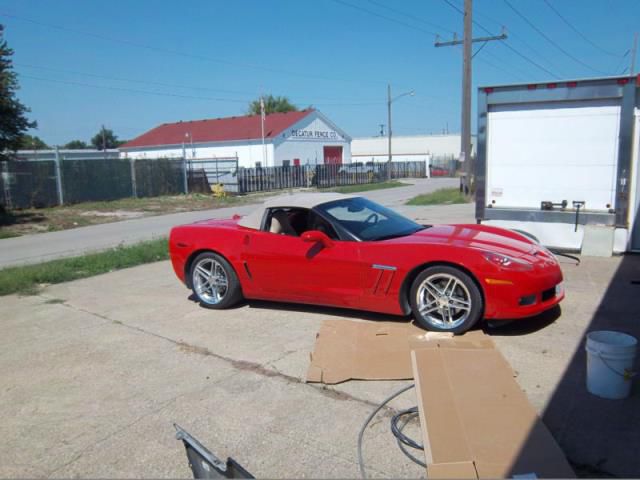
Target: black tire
[463,300]
[219,296]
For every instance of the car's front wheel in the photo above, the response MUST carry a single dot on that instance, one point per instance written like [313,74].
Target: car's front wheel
[445,299]
[214,282]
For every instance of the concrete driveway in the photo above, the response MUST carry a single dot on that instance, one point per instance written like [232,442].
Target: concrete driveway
[94,373]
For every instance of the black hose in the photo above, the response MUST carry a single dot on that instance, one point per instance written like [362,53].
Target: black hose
[368,420]
[397,431]
[566,255]
[402,439]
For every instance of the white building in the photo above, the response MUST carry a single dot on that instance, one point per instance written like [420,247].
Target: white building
[407,148]
[306,137]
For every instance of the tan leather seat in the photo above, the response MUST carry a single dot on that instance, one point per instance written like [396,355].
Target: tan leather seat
[280,224]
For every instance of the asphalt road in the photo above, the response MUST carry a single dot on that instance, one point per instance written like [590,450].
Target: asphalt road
[95,372]
[47,246]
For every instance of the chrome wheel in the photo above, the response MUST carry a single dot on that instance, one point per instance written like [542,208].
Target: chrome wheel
[443,301]
[210,281]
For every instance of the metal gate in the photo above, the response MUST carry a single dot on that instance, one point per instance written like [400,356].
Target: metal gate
[205,173]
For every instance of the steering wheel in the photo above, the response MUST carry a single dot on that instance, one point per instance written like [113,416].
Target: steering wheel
[373,218]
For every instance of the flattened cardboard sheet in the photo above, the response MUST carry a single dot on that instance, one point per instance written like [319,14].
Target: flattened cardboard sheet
[473,412]
[347,350]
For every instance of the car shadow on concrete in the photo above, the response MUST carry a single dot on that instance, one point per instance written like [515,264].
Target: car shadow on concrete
[330,311]
[600,437]
[521,326]
[499,328]
[315,309]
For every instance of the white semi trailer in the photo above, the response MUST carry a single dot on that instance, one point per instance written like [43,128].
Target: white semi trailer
[559,160]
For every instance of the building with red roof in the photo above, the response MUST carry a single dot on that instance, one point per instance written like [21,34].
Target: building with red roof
[305,137]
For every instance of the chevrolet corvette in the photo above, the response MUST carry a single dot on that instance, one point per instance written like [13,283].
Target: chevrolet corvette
[347,251]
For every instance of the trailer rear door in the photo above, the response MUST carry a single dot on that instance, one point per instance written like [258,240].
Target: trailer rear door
[634,197]
[552,152]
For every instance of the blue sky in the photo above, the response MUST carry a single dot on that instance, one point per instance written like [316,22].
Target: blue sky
[132,65]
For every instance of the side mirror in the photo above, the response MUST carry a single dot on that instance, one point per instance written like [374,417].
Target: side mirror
[316,236]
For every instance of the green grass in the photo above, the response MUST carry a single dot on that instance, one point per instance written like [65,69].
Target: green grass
[28,280]
[39,220]
[366,187]
[8,234]
[161,203]
[444,196]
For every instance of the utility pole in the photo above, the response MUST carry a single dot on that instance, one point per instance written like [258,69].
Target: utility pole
[104,144]
[389,132]
[264,147]
[465,127]
[634,50]
[389,129]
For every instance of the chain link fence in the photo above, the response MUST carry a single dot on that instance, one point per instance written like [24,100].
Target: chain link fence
[157,177]
[48,183]
[27,184]
[444,166]
[207,172]
[45,182]
[324,175]
[95,180]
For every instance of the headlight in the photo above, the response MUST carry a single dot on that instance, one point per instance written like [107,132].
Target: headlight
[506,262]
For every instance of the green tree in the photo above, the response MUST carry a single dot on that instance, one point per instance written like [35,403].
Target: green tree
[31,142]
[13,114]
[105,138]
[76,145]
[272,105]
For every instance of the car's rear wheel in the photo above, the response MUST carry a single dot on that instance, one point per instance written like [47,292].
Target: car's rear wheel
[214,282]
[445,299]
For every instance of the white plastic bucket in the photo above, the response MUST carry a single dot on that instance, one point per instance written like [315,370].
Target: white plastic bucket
[610,358]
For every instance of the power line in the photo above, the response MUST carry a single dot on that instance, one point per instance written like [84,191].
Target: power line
[379,15]
[132,90]
[514,50]
[498,67]
[532,62]
[411,16]
[172,85]
[583,36]
[178,95]
[131,80]
[520,72]
[558,47]
[518,38]
[620,63]
[478,50]
[180,53]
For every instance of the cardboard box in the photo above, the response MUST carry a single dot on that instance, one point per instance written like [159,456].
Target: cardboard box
[476,421]
[347,350]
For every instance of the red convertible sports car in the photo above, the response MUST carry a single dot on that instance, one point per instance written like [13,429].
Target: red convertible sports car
[347,251]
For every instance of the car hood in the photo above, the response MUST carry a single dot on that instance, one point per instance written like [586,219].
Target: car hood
[472,236]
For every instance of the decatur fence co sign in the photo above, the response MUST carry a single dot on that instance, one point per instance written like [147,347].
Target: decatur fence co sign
[315,134]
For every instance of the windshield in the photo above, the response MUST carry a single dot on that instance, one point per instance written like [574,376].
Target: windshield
[368,220]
